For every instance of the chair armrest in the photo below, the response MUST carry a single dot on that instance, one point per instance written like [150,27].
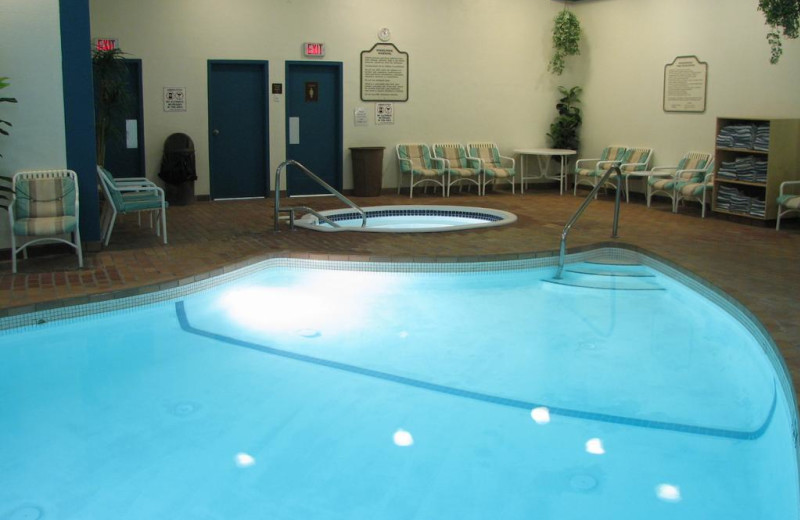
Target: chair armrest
[476,161]
[787,183]
[140,189]
[510,159]
[663,171]
[579,161]
[609,163]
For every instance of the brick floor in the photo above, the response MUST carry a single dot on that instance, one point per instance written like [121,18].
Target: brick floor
[754,264]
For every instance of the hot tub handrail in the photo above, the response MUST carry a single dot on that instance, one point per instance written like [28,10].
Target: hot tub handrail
[319,181]
[562,251]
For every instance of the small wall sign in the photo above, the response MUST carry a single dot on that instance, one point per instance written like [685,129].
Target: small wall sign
[384,113]
[174,99]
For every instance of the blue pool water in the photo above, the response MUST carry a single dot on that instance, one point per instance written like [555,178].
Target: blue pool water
[334,394]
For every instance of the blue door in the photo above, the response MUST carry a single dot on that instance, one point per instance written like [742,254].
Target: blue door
[238,135]
[125,143]
[314,125]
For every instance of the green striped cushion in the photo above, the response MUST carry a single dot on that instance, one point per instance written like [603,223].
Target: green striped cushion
[489,155]
[45,225]
[789,201]
[637,156]
[37,198]
[418,154]
[500,173]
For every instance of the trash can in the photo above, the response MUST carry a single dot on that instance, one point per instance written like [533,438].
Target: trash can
[367,170]
[178,169]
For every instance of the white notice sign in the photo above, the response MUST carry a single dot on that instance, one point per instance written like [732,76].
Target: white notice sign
[384,113]
[360,116]
[174,99]
[685,85]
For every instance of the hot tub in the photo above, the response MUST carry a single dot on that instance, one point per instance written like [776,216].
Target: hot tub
[409,219]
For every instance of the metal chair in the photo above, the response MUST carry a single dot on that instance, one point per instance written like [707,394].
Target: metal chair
[126,196]
[44,209]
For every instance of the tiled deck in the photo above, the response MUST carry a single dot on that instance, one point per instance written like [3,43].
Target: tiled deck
[755,265]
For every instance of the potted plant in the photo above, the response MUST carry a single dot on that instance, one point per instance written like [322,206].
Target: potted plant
[564,129]
[111,94]
[566,40]
[3,84]
[782,16]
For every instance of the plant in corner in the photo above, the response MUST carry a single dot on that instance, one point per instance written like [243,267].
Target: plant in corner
[566,40]
[112,96]
[782,16]
[3,84]
[564,129]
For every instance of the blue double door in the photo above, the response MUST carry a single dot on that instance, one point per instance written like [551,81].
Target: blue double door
[314,125]
[238,132]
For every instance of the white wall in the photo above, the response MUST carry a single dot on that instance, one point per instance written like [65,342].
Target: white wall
[477,67]
[30,55]
[627,43]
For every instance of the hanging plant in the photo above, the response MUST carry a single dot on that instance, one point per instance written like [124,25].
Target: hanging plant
[783,16]
[566,40]
[3,84]
[564,129]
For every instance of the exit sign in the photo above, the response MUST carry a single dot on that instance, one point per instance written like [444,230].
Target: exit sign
[313,50]
[106,44]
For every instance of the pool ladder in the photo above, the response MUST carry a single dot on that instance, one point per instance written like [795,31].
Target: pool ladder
[292,209]
[562,250]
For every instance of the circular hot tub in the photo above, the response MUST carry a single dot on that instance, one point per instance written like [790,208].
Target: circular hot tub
[408,219]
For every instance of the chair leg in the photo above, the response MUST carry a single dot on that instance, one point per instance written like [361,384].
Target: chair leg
[13,254]
[78,248]
[777,223]
[110,227]
[164,222]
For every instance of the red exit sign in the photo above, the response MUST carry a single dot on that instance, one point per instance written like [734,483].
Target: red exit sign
[313,50]
[106,44]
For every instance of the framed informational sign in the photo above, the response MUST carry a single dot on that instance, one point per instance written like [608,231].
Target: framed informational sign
[685,85]
[174,99]
[384,73]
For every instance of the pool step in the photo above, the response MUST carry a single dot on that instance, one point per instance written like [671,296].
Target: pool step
[627,277]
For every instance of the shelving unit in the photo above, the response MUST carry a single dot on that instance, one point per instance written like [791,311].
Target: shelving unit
[783,164]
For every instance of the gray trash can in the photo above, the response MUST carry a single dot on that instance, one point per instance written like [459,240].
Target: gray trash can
[367,170]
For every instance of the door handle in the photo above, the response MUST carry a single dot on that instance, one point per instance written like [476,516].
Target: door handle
[215,132]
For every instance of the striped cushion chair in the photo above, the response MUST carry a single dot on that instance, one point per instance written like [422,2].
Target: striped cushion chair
[416,161]
[460,168]
[697,190]
[44,209]
[664,180]
[492,164]
[787,202]
[589,171]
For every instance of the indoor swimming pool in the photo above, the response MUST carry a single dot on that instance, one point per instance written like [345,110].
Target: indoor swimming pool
[300,389]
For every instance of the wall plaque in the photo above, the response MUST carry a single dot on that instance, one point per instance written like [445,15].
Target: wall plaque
[685,85]
[174,99]
[384,73]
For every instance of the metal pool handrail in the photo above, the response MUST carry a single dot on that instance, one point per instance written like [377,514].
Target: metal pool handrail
[562,251]
[319,181]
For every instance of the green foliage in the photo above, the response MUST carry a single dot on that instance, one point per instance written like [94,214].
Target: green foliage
[112,96]
[783,16]
[564,129]
[566,40]
[3,84]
